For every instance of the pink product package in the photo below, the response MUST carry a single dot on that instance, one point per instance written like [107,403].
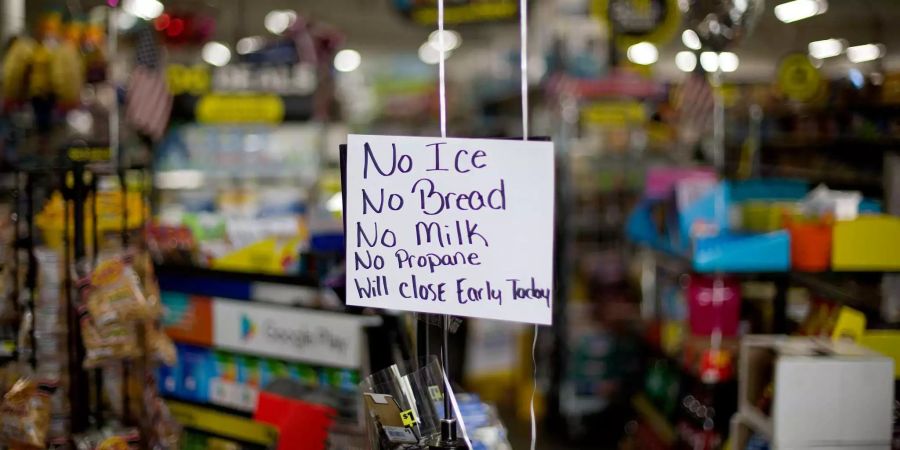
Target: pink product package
[714,303]
[661,181]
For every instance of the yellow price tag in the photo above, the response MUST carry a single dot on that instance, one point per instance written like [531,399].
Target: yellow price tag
[408,417]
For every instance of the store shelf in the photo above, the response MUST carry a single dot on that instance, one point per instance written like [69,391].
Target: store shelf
[859,290]
[838,144]
[290,290]
[210,406]
[663,429]
[170,270]
[676,259]
[223,424]
[296,107]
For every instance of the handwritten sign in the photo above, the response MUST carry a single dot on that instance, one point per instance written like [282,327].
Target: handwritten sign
[451,226]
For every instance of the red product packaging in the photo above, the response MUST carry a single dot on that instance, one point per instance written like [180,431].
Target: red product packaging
[301,425]
[714,303]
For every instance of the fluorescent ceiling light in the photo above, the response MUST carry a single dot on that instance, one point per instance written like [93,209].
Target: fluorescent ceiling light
[347,60]
[430,55]
[826,48]
[686,61]
[125,20]
[690,39]
[216,53]
[709,61]
[249,44]
[279,20]
[800,9]
[643,53]
[452,40]
[145,9]
[728,62]
[865,52]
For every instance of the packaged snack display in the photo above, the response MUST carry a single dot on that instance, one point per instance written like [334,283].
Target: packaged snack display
[161,429]
[113,342]
[115,294]
[109,439]
[159,345]
[25,414]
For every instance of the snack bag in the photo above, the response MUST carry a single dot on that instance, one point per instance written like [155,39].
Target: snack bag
[115,294]
[109,439]
[159,345]
[164,430]
[144,267]
[25,414]
[114,341]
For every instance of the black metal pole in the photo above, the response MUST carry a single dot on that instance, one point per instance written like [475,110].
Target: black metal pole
[445,326]
[17,240]
[449,439]
[126,394]
[31,275]
[95,255]
[779,304]
[78,388]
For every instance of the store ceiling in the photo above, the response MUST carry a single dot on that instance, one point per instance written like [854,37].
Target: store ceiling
[857,21]
[374,28]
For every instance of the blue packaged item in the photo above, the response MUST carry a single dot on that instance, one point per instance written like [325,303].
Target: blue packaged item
[767,252]
[770,189]
[757,442]
[167,378]
[193,382]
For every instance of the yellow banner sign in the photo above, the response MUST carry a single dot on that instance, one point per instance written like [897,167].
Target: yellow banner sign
[234,108]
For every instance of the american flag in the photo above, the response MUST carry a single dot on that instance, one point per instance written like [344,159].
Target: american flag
[696,104]
[149,101]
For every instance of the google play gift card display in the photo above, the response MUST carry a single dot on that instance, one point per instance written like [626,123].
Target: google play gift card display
[451,226]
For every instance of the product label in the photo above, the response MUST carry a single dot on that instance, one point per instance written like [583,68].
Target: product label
[316,337]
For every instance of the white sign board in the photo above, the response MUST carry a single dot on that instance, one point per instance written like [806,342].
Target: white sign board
[315,337]
[451,226]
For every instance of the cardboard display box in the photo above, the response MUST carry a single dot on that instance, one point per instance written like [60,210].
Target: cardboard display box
[825,394]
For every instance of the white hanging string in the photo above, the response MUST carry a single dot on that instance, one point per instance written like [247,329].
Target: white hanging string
[443,107]
[441,76]
[533,387]
[523,64]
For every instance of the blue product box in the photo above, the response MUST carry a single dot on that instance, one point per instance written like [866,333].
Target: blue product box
[196,372]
